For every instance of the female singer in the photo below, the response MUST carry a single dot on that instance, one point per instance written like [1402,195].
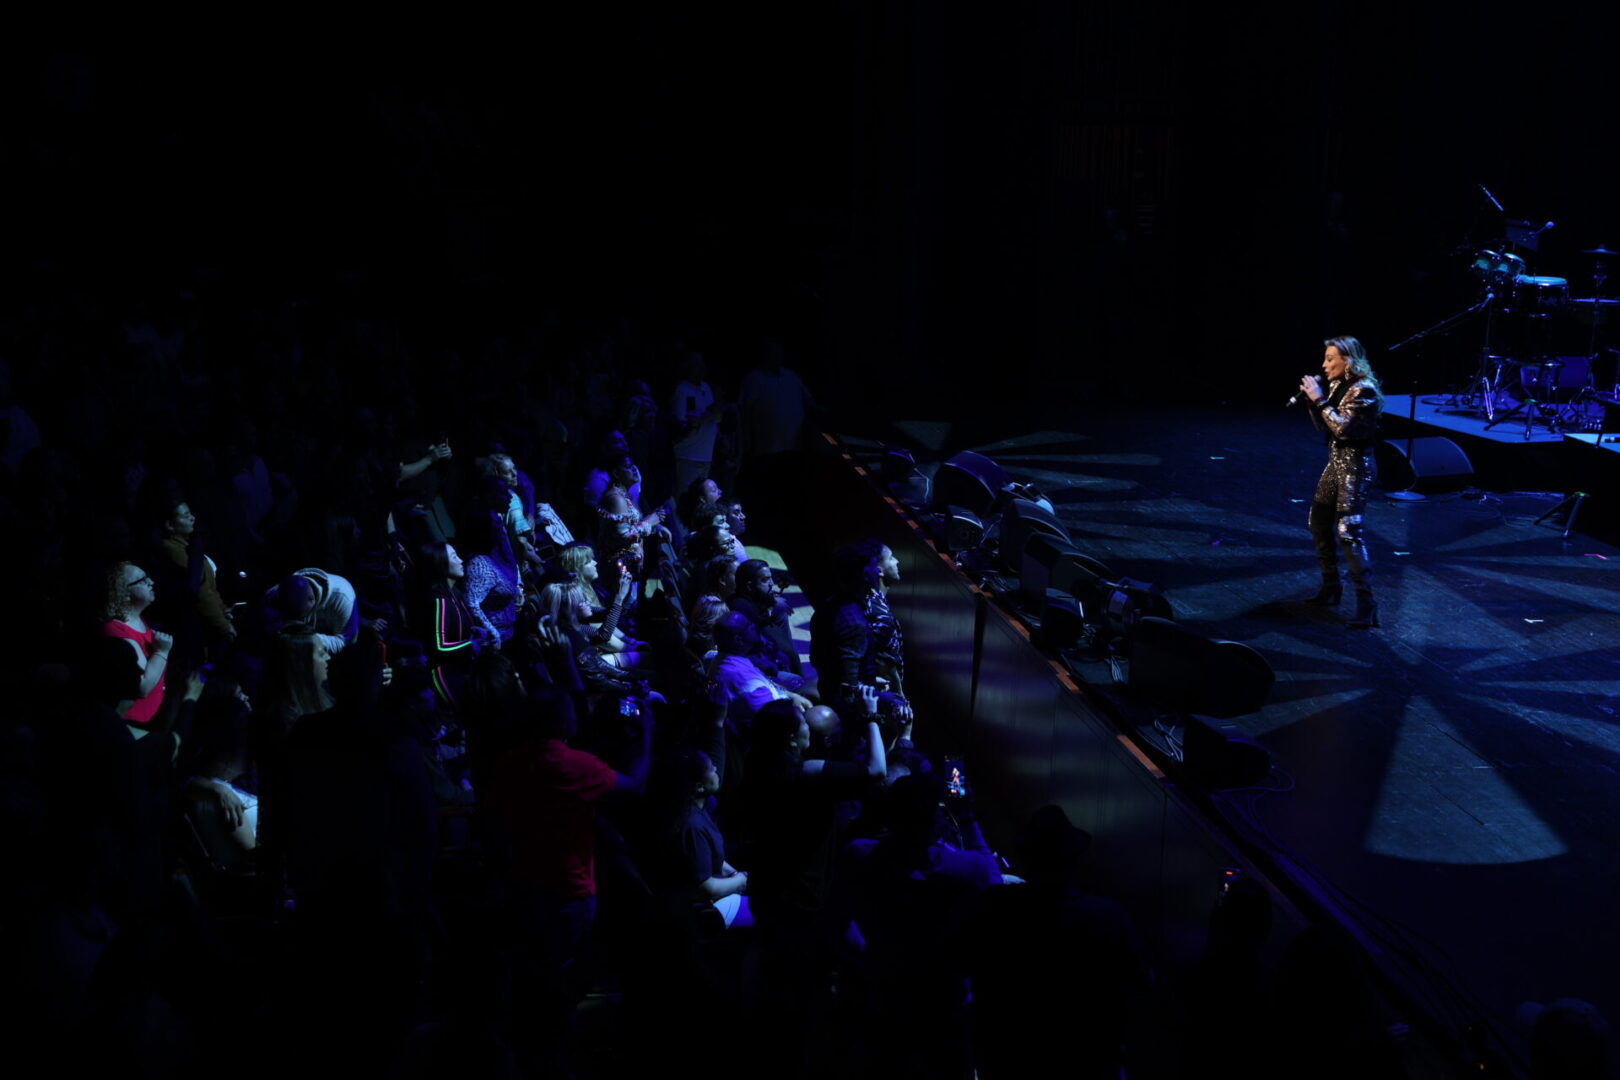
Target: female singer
[1345,404]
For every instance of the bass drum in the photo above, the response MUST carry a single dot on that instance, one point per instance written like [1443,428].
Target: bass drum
[1538,297]
[1552,380]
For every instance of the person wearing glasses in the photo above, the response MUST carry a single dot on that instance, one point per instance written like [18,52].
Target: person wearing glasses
[129,594]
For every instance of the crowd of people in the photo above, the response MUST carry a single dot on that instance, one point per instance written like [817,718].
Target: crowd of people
[392,702]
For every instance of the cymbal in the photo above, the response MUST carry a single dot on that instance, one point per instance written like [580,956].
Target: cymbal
[1599,250]
[1603,300]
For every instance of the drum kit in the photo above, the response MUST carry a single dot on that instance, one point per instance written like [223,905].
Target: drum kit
[1543,359]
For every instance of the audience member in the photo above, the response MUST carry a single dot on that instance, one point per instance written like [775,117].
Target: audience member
[494,585]
[707,611]
[545,795]
[907,895]
[621,533]
[691,778]
[520,534]
[451,633]
[130,591]
[748,688]
[717,576]
[566,608]
[699,504]
[612,466]
[579,559]
[695,415]
[295,672]
[225,816]
[1019,934]
[192,577]
[737,524]
[756,598]
[789,810]
[326,601]
[709,542]
[855,638]
[773,401]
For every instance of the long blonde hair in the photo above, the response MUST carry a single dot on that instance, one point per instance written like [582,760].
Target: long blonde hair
[558,601]
[573,557]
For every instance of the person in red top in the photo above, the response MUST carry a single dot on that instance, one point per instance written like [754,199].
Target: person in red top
[129,594]
[544,796]
[545,793]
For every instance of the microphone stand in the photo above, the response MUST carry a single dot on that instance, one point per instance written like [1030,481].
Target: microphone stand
[1408,495]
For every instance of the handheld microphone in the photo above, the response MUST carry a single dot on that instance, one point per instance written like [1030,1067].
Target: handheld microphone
[1299,395]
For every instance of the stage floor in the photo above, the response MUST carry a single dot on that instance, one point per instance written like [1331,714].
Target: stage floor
[1456,774]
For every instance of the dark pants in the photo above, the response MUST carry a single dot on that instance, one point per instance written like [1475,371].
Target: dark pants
[551,975]
[1337,510]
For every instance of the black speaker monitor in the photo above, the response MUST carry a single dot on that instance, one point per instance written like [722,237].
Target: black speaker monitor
[1063,621]
[1021,521]
[1051,563]
[970,480]
[1436,464]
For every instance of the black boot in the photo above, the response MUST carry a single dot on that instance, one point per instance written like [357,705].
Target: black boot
[1355,557]
[1366,613]
[1327,555]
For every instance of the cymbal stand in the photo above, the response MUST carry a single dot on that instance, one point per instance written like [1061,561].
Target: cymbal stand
[1411,410]
[1486,377]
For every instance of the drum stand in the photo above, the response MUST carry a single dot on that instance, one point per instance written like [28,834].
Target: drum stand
[1480,391]
[1532,409]
[1544,386]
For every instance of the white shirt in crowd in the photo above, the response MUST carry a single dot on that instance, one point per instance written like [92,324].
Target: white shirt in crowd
[687,404]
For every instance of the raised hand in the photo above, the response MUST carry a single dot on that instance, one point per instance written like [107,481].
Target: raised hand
[869,700]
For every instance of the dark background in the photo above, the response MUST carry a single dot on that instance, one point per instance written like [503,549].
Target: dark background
[1105,201]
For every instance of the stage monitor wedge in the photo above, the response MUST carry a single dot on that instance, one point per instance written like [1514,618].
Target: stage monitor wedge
[1022,521]
[972,481]
[1175,668]
[1051,563]
[1436,464]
